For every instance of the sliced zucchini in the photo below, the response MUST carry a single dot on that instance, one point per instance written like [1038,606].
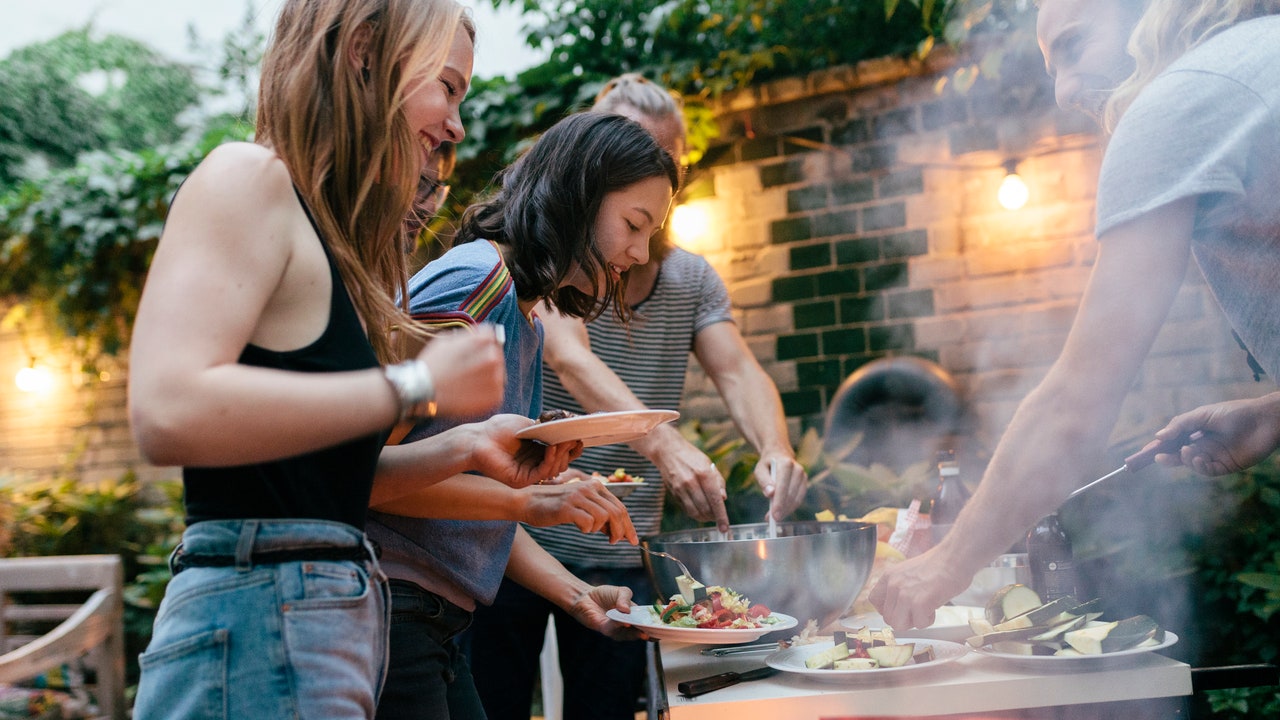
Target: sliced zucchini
[856,664]
[1011,601]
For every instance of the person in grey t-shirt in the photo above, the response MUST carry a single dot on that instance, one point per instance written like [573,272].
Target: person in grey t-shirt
[1190,170]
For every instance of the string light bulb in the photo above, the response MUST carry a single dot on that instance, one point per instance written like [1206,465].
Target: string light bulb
[689,225]
[1013,192]
[34,378]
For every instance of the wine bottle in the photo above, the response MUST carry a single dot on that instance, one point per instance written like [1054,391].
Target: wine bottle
[1053,572]
[949,497]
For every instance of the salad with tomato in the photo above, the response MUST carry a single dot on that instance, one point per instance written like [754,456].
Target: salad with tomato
[721,609]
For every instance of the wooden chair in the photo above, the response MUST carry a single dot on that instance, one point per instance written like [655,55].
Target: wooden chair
[92,630]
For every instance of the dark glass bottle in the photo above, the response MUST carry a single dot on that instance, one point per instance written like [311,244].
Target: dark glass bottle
[1053,572]
[949,497]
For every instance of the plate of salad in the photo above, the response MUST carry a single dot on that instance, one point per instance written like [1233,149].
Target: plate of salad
[721,616]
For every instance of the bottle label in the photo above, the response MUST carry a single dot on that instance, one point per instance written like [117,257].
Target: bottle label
[1057,578]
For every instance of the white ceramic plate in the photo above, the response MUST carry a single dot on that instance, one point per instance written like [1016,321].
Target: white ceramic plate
[643,617]
[950,622]
[599,428]
[792,660]
[1077,662]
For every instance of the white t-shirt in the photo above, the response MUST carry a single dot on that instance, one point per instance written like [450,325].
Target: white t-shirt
[1209,126]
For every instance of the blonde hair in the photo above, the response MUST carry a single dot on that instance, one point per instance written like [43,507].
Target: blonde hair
[1167,30]
[634,90]
[340,131]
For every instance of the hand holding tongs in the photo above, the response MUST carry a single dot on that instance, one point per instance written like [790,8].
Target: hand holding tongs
[1140,459]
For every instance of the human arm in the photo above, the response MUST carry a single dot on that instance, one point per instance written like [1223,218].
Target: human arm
[687,472]
[589,506]
[237,264]
[542,574]
[1067,417]
[756,409]
[489,448]
[1222,438]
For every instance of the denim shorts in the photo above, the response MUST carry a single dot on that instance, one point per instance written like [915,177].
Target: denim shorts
[298,639]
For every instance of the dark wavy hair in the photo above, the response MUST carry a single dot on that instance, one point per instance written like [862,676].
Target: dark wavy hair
[546,204]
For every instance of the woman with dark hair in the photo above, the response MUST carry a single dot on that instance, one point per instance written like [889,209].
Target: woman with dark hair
[567,220]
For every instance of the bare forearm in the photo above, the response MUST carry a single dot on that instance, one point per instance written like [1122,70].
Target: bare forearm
[412,467]
[232,414]
[460,497]
[756,407]
[542,574]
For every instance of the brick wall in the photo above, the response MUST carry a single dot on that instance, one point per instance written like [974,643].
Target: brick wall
[854,217]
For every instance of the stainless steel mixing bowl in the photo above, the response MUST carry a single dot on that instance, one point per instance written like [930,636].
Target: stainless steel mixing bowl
[811,570]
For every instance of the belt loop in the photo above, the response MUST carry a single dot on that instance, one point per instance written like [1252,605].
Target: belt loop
[244,546]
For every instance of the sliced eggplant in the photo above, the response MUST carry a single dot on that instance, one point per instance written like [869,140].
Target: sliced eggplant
[1011,601]
[828,657]
[1053,632]
[1099,638]
[892,655]
[856,663]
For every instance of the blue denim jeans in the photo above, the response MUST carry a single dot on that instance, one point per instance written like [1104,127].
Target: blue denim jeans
[298,639]
[428,678]
[603,678]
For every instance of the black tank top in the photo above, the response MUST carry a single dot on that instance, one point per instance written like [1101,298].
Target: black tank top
[333,483]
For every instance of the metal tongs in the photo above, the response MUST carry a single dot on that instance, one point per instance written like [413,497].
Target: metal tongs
[742,649]
[1140,459]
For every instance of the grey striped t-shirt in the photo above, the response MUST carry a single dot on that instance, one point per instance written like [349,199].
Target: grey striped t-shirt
[651,357]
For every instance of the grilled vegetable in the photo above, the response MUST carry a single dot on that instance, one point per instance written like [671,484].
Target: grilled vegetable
[1098,638]
[1011,601]
[892,655]
[827,658]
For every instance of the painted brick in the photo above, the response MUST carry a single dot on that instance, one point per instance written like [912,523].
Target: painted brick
[857,250]
[794,347]
[789,230]
[806,198]
[783,374]
[853,191]
[936,115]
[823,373]
[940,332]
[870,308]
[911,304]
[844,341]
[783,173]
[895,123]
[812,134]
[812,315]
[837,282]
[854,363]
[854,132]
[888,275]
[905,244]
[972,138]
[891,337]
[758,149]
[884,217]
[768,320]
[902,182]
[807,257]
[802,402]
[801,287]
[834,223]
[875,157]
[698,189]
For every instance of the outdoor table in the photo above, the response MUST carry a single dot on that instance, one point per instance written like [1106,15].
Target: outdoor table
[1141,686]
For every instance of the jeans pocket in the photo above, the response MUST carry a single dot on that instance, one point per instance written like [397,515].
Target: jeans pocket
[186,678]
[335,585]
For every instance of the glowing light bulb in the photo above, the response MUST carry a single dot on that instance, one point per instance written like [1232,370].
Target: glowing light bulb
[34,379]
[1013,191]
[689,224]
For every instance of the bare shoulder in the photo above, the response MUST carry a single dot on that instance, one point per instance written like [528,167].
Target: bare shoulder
[238,180]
